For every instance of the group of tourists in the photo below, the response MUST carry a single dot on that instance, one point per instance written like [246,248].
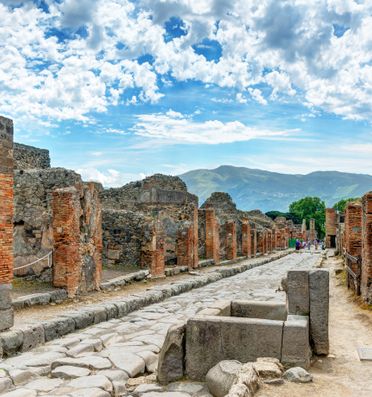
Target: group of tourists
[307,244]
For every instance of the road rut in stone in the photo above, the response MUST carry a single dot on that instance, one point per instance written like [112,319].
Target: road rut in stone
[98,360]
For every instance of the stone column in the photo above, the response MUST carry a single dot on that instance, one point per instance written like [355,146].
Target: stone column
[231,249]
[6,222]
[366,279]
[185,246]
[212,239]
[303,229]
[195,236]
[246,239]
[353,229]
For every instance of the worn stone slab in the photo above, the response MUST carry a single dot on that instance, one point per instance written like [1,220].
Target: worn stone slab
[11,341]
[44,384]
[319,310]
[298,297]
[5,384]
[91,392]
[69,372]
[20,376]
[91,362]
[21,393]
[257,309]
[128,362]
[99,381]
[33,336]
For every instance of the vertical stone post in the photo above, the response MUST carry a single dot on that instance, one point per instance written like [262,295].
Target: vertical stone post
[6,222]
[212,239]
[186,250]
[366,277]
[195,236]
[246,239]
[231,249]
[157,265]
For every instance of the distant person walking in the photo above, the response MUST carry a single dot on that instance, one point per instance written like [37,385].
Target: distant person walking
[298,244]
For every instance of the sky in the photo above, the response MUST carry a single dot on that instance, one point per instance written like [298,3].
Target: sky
[118,90]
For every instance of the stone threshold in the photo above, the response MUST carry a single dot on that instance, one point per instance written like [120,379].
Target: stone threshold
[26,338]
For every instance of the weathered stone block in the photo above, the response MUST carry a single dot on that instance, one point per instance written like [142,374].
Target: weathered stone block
[5,299]
[319,310]
[11,341]
[172,355]
[6,319]
[298,292]
[296,350]
[210,340]
[255,309]
[32,337]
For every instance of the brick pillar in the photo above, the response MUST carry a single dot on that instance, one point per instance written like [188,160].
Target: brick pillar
[246,239]
[312,231]
[153,250]
[77,232]
[366,279]
[185,246]
[212,239]
[231,248]
[195,253]
[303,229]
[353,229]
[254,247]
[66,231]
[6,222]
[331,226]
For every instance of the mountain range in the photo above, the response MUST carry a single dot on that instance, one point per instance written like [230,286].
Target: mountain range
[265,190]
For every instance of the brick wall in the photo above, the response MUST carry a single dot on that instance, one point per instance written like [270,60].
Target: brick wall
[6,221]
[77,236]
[353,229]
[366,279]
[331,227]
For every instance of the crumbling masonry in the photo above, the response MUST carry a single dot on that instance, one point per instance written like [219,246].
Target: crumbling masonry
[6,222]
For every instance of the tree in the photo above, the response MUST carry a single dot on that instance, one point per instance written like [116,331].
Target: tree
[310,207]
[287,215]
[341,205]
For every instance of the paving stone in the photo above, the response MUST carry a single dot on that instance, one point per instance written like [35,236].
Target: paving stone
[91,392]
[99,381]
[92,362]
[5,384]
[128,362]
[21,393]
[150,359]
[186,387]
[69,372]
[147,387]
[20,376]
[44,384]
[165,394]
[114,375]
[34,359]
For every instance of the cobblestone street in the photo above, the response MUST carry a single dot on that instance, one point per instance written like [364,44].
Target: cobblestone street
[97,361]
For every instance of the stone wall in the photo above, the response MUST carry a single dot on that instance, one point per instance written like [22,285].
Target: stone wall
[161,200]
[77,234]
[29,157]
[6,221]
[366,277]
[33,234]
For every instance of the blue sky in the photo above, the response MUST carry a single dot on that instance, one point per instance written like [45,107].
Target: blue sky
[119,89]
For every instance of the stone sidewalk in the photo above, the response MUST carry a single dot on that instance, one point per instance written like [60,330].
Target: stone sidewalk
[97,361]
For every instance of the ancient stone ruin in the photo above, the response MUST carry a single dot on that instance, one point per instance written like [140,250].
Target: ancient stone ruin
[351,234]
[289,332]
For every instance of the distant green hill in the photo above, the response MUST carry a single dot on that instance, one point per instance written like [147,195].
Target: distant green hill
[264,190]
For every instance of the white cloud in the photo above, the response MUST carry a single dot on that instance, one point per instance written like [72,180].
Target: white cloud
[108,178]
[173,127]
[270,50]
